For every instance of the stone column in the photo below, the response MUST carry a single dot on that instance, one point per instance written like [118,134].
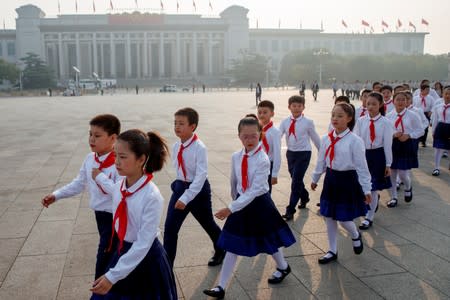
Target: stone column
[128,57]
[178,56]
[102,60]
[161,55]
[112,55]
[78,52]
[138,60]
[94,44]
[194,54]
[145,50]
[210,68]
[62,71]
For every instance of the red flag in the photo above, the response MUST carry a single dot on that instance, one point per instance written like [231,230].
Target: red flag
[344,24]
[111,4]
[399,23]
[412,25]
[210,5]
[364,23]
[424,22]
[195,6]
[383,23]
[93,5]
[162,5]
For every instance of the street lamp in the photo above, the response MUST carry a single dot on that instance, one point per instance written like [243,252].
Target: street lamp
[319,53]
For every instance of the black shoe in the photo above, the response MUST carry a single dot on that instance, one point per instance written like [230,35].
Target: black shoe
[288,216]
[436,172]
[392,203]
[302,204]
[217,258]
[217,292]
[318,204]
[366,224]
[408,195]
[378,204]
[324,259]
[359,249]
[284,273]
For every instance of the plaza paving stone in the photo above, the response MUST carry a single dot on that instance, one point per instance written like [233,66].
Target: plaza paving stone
[50,253]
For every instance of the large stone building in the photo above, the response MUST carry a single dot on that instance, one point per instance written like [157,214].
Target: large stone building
[154,46]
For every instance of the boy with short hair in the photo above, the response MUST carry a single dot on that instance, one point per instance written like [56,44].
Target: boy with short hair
[103,133]
[299,131]
[426,102]
[191,189]
[362,110]
[271,139]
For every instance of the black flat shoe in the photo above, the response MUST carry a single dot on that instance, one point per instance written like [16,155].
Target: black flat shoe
[302,204]
[378,204]
[288,216]
[217,258]
[359,249]
[324,259]
[392,203]
[366,224]
[284,273]
[217,292]
[408,195]
[318,204]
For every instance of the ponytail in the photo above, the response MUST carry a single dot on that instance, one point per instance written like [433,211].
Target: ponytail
[157,154]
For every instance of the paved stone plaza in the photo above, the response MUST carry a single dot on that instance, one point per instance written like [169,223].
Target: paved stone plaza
[50,253]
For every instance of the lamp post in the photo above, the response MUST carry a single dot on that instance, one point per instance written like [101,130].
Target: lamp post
[319,53]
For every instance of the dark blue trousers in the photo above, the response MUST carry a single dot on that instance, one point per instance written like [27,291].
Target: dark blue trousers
[270,178]
[298,162]
[104,225]
[201,209]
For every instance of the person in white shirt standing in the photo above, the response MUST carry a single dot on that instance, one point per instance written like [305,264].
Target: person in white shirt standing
[103,132]
[139,267]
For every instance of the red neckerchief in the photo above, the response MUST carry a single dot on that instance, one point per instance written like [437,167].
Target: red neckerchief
[400,121]
[180,155]
[121,214]
[264,139]
[108,162]
[244,169]
[330,149]
[444,110]
[372,129]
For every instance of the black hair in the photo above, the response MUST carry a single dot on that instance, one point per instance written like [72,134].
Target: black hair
[296,99]
[190,113]
[366,91]
[397,94]
[150,144]
[380,100]
[342,98]
[375,83]
[251,116]
[401,86]
[251,120]
[424,86]
[267,103]
[349,109]
[109,123]
[386,87]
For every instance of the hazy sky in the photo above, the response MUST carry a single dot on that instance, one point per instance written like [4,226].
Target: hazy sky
[290,13]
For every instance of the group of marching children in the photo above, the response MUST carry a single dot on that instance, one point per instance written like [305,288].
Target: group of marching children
[365,151]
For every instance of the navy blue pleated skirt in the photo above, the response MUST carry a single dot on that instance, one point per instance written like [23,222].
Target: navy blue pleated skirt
[257,228]
[152,279]
[441,136]
[376,161]
[404,154]
[342,197]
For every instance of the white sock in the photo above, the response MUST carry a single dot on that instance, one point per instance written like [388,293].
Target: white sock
[405,177]
[228,265]
[393,189]
[280,260]
[332,234]
[352,230]
[373,205]
[437,157]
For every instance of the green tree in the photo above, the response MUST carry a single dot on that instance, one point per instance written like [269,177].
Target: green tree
[249,68]
[8,71]
[36,73]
